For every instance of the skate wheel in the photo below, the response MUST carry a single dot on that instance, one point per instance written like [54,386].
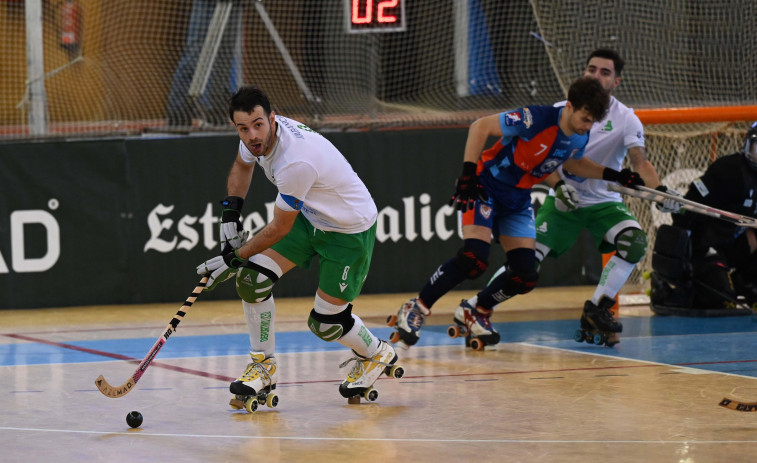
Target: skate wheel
[646,275]
[272,400]
[251,404]
[370,394]
[395,371]
[476,344]
[236,404]
[454,332]
[578,336]
[391,320]
[598,339]
[394,338]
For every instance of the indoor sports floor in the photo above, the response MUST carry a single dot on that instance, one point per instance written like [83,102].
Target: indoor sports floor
[539,396]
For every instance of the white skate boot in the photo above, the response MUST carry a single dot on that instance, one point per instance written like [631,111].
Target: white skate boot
[365,372]
[408,323]
[256,384]
[474,324]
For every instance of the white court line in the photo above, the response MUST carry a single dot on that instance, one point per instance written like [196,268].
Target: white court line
[373,439]
[682,368]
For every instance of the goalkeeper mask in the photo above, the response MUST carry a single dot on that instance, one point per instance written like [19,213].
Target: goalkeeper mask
[750,146]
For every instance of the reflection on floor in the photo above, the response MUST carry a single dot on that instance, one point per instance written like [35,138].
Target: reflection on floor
[539,396]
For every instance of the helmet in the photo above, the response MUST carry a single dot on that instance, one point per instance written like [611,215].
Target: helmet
[750,146]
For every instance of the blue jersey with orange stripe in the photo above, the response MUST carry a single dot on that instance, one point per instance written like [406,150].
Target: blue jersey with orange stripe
[532,146]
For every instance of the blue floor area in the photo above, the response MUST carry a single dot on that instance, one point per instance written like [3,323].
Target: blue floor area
[724,344]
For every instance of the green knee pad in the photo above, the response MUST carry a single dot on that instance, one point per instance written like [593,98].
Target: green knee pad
[631,244]
[331,327]
[255,283]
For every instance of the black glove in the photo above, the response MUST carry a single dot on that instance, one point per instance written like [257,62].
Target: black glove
[625,177]
[233,260]
[232,235]
[468,189]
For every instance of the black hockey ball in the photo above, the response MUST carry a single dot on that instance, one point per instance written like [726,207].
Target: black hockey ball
[134,419]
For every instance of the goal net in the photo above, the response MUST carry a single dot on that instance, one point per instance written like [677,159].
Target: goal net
[88,66]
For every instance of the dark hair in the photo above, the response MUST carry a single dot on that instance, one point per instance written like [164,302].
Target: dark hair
[587,93]
[607,53]
[246,98]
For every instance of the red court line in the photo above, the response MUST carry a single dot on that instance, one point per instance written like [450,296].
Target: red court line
[203,374]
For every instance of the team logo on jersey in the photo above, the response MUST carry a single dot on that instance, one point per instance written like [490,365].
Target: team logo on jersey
[527,118]
[607,127]
[512,118]
[485,210]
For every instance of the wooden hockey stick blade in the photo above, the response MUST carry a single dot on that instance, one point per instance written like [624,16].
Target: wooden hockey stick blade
[692,206]
[739,406]
[125,388]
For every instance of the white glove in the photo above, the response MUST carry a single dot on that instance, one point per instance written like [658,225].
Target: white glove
[230,236]
[221,268]
[669,205]
[566,197]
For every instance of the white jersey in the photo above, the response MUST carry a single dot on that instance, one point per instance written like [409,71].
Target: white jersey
[313,176]
[609,141]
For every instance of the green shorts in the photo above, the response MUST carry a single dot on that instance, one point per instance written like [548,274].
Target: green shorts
[344,259]
[560,230]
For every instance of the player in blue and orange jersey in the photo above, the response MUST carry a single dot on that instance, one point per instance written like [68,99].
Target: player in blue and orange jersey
[494,196]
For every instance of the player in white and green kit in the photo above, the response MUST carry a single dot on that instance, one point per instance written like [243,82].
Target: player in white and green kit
[579,203]
[322,209]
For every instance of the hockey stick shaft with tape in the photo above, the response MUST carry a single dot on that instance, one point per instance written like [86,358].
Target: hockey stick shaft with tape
[692,206]
[120,391]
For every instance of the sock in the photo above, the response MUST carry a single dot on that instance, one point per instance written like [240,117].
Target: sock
[260,318]
[446,278]
[495,292]
[614,276]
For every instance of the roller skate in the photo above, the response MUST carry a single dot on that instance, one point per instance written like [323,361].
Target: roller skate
[256,384]
[598,326]
[365,372]
[474,324]
[408,323]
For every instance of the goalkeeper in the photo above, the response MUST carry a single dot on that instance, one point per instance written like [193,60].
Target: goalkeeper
[723,254]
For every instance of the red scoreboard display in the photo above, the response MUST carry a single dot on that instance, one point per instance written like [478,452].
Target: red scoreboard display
[374,16]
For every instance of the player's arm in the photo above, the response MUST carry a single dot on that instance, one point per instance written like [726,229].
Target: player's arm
[237,185]
[585,167]
[240,177]
[282,223]
[552,179]
[639,163]
[468,188]
[478,133]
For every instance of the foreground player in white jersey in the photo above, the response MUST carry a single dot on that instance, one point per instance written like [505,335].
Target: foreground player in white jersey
[322,209]
[587,203]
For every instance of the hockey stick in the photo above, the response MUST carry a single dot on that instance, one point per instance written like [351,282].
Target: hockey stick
[125,388]
[739,406]
[659,196]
